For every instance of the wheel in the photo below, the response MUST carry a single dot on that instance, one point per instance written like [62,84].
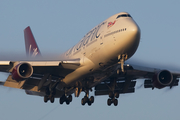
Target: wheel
[52,99]
[109,102]
[45,98]
[61,100]
[111,95]
[89,103]
[70,98]
[82,101]
[116,95]
[91,99]
[85,99]
[67,102]
[115,102]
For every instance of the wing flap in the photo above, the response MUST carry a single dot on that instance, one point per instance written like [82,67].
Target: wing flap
[106,92]
[32,85]
[104,89]
[13,83]
[118,86]
[148,83]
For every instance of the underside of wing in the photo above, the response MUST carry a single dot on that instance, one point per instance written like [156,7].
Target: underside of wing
[124,82]
[44,73]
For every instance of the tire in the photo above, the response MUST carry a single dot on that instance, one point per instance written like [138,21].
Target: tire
[70,98]
[115,102]
[116,95]
[61,100]
[45,98]
[67,102]
[111,95]
[109,102]
[82,101]
[91,99]
[85,99]
[52,99]
[89,103]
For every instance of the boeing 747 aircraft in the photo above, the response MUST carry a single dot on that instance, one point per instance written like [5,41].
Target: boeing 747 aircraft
[96,63]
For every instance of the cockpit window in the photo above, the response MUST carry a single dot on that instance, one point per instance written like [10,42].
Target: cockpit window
[123,15]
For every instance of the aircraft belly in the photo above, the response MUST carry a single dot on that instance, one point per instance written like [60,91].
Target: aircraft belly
[78,74]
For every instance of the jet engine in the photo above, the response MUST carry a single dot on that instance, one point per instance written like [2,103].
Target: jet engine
[22,71]
[162,79]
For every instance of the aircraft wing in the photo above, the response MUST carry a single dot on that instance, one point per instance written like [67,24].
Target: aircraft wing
[44,73]
[125,82]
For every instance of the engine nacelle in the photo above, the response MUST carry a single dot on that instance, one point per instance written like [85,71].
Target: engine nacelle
[22,71]
[162,79]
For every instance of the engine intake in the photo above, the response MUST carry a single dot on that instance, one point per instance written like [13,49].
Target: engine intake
[162,79]
[22,71]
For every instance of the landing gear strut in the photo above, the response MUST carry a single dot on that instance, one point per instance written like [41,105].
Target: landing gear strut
[86,99]
[113,93]
[49,95]
[50,90]
[121,60]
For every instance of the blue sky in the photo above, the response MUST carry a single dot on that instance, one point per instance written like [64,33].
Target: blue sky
[58,25]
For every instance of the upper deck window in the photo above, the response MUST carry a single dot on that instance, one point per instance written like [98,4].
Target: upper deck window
[123,15]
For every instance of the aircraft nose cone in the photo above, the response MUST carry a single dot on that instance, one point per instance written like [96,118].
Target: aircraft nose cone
[133,38]
[135,30]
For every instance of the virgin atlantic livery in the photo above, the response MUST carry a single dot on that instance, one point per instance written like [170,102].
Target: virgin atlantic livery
[96,63]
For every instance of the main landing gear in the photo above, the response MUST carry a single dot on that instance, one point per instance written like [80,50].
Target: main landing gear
[66,99]
[50,90]
[49,95]
[112,98]
[113,93]
[86,99]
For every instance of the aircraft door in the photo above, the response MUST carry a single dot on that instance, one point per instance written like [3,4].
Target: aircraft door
[101,37]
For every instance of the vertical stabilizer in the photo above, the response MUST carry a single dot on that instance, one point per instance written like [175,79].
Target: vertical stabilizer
[32,49]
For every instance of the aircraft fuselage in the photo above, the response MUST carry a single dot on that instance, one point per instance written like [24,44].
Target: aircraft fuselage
[116,36]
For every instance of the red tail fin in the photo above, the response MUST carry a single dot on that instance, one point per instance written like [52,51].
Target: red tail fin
[32,49]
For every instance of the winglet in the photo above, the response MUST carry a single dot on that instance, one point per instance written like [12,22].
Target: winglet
[32,49]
